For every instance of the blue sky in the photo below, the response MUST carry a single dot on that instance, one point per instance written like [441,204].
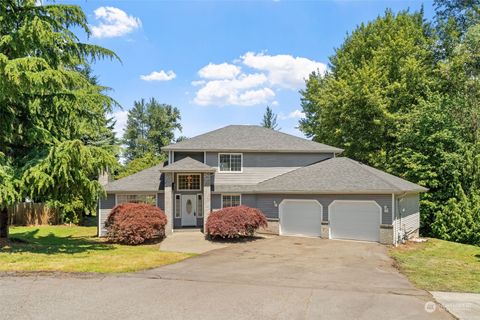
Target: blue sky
[222,62]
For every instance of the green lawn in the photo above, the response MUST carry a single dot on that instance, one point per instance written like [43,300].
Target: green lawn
[439,265]
[76,249]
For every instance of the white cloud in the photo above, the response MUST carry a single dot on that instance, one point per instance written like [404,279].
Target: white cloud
[159,76]
[197,83]
[229,84]
[246,90]
[295,114]
[283,70]
[113,22]
[219,71]
[121,122]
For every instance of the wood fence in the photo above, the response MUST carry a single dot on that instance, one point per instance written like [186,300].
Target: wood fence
[28,213]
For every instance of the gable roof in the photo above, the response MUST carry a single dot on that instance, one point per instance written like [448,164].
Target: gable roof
[150,179]
[338,175]
[249,138]
[187,164]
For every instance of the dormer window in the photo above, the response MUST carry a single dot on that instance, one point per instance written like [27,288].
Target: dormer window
[230,162]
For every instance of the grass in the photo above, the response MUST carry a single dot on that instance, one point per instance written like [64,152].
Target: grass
[438,265]
[77,249]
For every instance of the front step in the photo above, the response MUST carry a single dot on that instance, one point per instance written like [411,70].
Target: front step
[187,230]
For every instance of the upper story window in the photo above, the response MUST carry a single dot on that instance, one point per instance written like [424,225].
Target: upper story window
[230,162]
[188,182]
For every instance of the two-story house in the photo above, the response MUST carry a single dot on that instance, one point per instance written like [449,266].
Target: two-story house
[303,187]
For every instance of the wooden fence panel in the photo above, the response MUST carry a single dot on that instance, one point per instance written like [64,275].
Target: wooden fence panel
[28,213]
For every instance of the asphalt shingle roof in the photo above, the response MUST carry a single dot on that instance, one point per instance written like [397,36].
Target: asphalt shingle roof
[188,164]
[150,179]
[249,138]
[337,175]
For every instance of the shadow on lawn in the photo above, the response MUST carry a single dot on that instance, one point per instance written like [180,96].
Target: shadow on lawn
[478,257]
[29,241]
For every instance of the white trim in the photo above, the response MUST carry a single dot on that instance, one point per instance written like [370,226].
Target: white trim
[99,217]
[205,157]
[394,221]
[169,157]
[230,153]
[229,194]
[351,192]
[189,174]
[280,214]
[353,201]
[175,206]
[337,150]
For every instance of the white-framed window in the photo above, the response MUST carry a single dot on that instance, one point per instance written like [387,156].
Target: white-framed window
[137,198]
[189,181]
[178,204]
[231,200]
[230,162]
[199,205]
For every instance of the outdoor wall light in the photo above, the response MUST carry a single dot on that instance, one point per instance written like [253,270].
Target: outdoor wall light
[275,203]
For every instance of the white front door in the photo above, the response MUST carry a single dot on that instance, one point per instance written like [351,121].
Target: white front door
[189,210]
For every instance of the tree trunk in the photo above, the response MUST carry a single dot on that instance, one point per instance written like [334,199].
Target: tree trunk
[4,223]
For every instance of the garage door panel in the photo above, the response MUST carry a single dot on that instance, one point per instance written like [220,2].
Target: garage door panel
[301,217]
[356,220]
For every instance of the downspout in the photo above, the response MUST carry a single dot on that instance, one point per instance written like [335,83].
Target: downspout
[400,213]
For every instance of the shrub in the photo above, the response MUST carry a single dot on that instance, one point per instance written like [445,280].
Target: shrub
[235,222]
[132,223]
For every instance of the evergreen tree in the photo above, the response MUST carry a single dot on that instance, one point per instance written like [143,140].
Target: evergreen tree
[53,116]
[150,126]
[270,119]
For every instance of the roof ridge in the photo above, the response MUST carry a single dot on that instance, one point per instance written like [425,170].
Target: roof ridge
[362,166]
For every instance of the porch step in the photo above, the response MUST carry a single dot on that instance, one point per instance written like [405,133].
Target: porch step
[187,230]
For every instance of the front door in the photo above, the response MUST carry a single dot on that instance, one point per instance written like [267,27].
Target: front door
[189,210]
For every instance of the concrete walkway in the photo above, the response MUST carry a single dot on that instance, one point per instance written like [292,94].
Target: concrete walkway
[464,306]
[189,242]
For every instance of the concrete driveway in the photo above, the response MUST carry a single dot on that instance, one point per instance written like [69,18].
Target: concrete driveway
[278,278]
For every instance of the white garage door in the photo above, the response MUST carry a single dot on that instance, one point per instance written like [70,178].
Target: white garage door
[356,220]
[300,218]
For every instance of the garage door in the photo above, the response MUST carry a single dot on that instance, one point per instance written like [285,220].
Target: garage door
[300,218]
[356,220]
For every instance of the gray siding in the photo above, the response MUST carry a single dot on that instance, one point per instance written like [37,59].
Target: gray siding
[407,214]
[161,201]
[108,202]
[194,155]
[258,167]
[266,202]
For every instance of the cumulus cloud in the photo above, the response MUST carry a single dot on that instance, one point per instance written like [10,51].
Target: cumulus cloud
[245,90]
[219,71]
[229,84]
[159,76]
[295,114]
[113,22]
[283,70]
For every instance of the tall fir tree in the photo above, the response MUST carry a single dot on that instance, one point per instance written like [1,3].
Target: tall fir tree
[52,114]
[270,119]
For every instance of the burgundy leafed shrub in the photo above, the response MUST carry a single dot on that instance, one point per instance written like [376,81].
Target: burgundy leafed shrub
[134,223]
[235,222]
